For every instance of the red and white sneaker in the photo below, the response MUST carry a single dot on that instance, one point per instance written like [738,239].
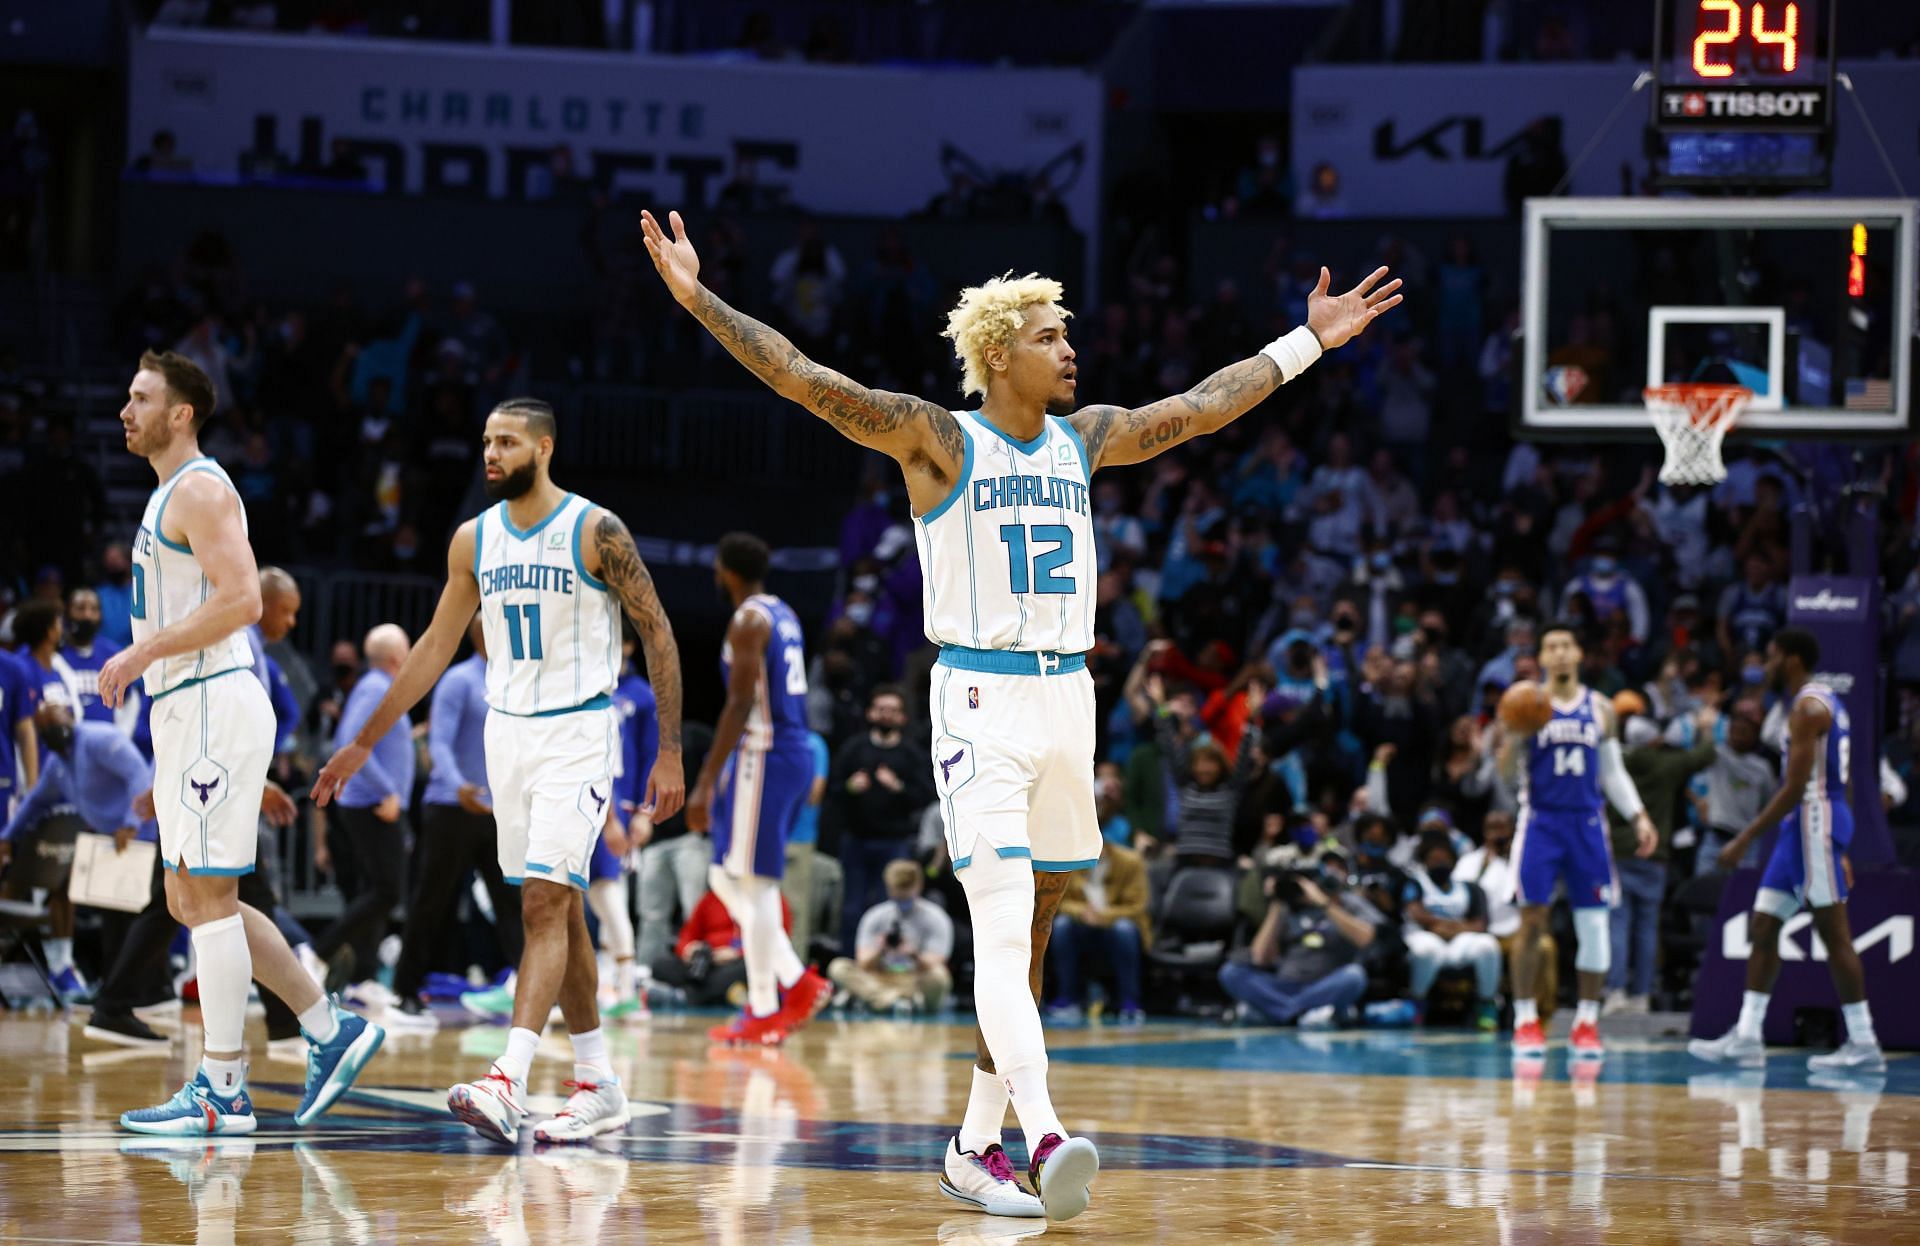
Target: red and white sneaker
[804,1000]
[1585,1041]
[749,1031]
[1529,1041]
[493,1105]
[594,1108]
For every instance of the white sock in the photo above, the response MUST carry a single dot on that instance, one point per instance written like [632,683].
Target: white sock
[59,954]
[590,1061]
[318,1022]
[226,1076]
[1000,897]
[1587,1012]
[517,1061]
[1860,1024]
[774,947]
[986,1112]
[1525,1012]
[226,967]
[1753,1014]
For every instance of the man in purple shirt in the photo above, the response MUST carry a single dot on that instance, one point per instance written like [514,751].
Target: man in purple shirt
[368,828]
[85,652]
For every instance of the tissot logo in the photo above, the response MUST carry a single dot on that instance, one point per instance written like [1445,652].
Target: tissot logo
[1730,103]
[1895,932]
[1827,600]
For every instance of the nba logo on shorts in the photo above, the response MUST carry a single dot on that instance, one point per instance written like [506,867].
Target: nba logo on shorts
[973,698]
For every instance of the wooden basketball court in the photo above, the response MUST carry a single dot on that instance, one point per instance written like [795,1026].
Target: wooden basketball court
[1206,1135]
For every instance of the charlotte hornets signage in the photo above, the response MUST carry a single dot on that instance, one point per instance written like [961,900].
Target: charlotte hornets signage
[434,117]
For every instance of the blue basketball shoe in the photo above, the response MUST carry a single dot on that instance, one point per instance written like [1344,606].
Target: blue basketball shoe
[195,1112]
[332,1066]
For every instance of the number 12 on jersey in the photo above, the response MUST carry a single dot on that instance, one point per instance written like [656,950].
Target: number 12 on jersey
[530,646]
[1045,563]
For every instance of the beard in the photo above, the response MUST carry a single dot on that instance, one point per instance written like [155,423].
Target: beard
[511,485]
[1060,404]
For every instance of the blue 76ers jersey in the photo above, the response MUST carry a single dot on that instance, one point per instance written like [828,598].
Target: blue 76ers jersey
[1007,558]
[1563,760]
[1831,759]
[778,719]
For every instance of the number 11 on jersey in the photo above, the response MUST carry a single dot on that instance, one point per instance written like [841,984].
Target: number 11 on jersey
[530,646]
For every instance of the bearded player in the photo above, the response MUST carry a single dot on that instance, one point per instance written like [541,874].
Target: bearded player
[549,573]
[1006,545]
[1573,769]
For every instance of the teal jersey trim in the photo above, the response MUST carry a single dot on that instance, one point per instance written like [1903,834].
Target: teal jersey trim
[1064,867]
[600,702]
[1086,461]
[479,542]
[160,519]
[1024,447]
[195,682]
[579,563]
[960,485]
[1010,661]
[517,534]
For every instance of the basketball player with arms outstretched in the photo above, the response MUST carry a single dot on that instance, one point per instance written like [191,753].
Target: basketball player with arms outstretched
[549,573]
[1007,550]
[1567,772]
[1807,866]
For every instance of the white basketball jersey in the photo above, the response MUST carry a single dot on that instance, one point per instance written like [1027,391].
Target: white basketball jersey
[168,585]
[1007,558]
[553,631]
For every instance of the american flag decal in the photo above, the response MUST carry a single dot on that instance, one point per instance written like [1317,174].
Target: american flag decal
[1871,394]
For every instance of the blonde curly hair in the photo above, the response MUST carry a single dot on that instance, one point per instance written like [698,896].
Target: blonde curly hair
[990,314]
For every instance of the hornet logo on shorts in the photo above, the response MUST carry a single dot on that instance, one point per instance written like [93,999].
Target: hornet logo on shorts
[599,801]
[946,767]
[204,789]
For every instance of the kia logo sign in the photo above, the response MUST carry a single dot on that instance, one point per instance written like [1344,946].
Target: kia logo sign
[1826,602]
[1895,932]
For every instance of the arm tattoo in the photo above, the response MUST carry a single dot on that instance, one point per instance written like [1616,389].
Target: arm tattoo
[871,417]
[1209,406]
[631,584]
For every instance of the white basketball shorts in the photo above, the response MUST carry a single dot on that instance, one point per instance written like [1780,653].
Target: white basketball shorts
[1013,756]
[212,743]
[552,781]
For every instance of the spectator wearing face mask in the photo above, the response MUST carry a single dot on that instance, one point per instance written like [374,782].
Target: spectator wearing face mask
[901,948]
[875,792]
[115,594]
[1491,867]
[1610,590]
[1660,773]
[85,652]
[1446,927]
[1740,779]
[1304,962]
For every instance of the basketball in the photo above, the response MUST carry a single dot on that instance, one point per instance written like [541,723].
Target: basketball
[1524,707]
[1627,703]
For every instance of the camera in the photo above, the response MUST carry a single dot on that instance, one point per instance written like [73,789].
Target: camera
[893,938]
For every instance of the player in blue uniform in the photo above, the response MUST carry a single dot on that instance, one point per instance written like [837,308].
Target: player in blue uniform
[1572,768]
[85,652]
[1807,867]
[628,828]
[755,778]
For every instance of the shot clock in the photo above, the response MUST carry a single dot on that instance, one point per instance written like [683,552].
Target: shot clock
[1743,92]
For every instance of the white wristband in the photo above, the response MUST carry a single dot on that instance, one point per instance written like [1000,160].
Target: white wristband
[1293,352]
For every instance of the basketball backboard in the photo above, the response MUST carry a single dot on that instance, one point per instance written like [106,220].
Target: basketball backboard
[1807,302]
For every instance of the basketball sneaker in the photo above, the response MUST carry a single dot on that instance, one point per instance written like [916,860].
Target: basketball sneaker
[750,1031]
[332,1066]
[71,987]
[123,1029]
[1061,1171]
[627,1011]
[985,1181]
[594,1108]
[1585,1041]
[492,1003]
[410,1016]
[493,1105]
[1852,1057]
[1529,1041]
[805,999]
[1730,1048]
[195,1111]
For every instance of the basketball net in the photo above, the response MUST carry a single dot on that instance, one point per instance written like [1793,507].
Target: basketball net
[1693,419]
